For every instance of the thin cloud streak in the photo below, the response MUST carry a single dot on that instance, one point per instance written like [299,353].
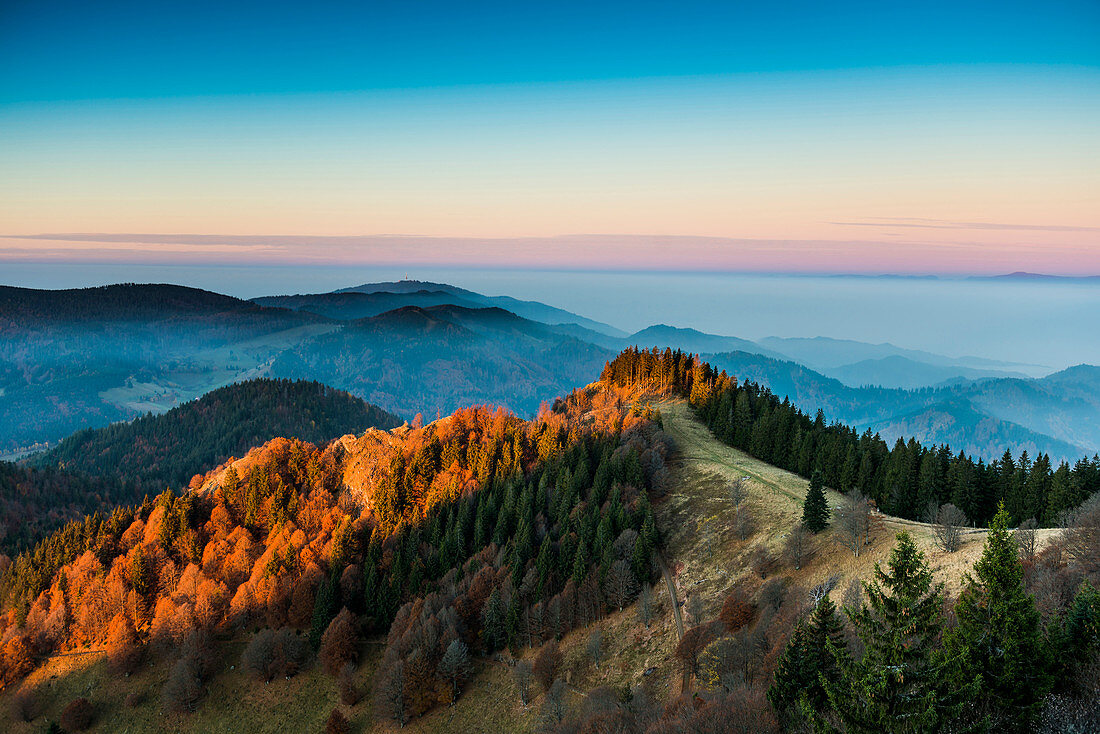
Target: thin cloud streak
[945,224]
[573,252]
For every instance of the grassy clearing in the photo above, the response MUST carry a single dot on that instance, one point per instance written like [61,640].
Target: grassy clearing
[186,377]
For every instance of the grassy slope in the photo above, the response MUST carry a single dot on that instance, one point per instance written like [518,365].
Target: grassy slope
[706,558]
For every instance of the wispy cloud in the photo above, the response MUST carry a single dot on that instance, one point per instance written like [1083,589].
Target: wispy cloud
[889,254]
[947,224]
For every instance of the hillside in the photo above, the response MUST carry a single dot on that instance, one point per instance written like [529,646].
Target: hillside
[378,523]
[166,450]
[36,501]
[435,360]
[707,561]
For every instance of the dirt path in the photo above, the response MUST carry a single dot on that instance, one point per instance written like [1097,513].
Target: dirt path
[677,617]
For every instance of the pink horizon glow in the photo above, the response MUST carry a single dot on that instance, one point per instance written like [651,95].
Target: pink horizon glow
[1066,251]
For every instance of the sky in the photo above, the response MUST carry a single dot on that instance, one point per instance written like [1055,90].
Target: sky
[862,137]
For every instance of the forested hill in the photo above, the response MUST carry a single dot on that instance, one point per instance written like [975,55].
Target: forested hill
[905,480]
[480,520]
[37,501]
[166,450]
[23,308]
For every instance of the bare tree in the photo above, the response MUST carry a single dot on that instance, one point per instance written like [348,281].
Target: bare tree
[763,561]
[773,593]
[738,491]
[853,521]
[950,521]
[183,688]
[345,683]
[522,677]
[1026,539]
[822,590]
[259,655]
[553,708]
[1082,535]
[547,663]
[621,584]
[694,608]
[798,549]
[645,604]
[391,692]
[595,646]
[25,705]
[742,522]
[853,595]
[455,666]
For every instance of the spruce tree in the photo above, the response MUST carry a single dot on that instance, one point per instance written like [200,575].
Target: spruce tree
[894,687]
[493,633]
[815,510]
[816,651]
[793,674]
[324,609]
[998,646]
[1078,637]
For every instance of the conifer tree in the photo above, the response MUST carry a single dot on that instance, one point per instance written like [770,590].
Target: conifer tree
[998,646]
[324,609]
[580,564]
[494,634]
[815,509]
[793,674]
[894,687]
[1078,641]
[815,651]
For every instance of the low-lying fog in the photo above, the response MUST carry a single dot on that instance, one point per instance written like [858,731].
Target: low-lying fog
[1050,323]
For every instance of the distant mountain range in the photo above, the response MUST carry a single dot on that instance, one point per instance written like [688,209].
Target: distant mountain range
[436,359]
[395,294]
[982,418]
[73,359]
[1021,275]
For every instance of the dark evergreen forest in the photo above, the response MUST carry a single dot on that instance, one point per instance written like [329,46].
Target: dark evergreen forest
[166,450]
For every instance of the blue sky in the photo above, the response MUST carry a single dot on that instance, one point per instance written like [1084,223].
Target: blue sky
[780,135]
[95,50]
